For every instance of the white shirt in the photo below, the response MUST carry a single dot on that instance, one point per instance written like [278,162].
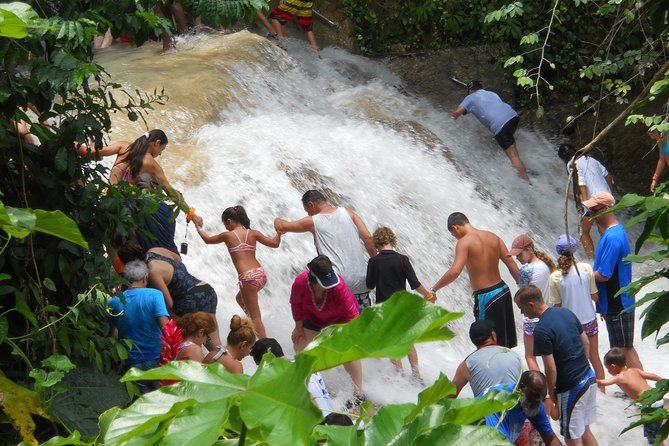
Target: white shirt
[575,292]
[591,174]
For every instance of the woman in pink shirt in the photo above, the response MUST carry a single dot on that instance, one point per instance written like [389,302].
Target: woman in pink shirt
[318,298]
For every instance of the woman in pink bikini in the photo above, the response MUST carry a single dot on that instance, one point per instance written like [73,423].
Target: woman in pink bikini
[241,242]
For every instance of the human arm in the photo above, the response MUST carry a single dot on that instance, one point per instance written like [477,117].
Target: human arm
[550,439]
[298,332]
[650,376]
[551,376]
[211,240]
[584,192]
[661,162]
[112,149]
[542,424]
[459,111]
[554,296]
[507,259]
[305,224]
[428,295]
[609,381]
[414,283]
[459,262]
[460,379]
[162,321]
[370,279]
[270,242]
[609,181]
[363,232]
[586,343]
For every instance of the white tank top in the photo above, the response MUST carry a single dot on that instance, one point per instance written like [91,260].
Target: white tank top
[337,237]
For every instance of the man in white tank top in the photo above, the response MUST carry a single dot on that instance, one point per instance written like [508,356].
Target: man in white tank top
[340,234]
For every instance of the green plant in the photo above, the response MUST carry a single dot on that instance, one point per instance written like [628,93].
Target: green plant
[211,406]
[225,12]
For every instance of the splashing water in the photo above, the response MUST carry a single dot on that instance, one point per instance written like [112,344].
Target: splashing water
[253,125]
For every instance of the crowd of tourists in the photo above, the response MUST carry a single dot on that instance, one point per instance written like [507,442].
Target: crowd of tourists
[561,301]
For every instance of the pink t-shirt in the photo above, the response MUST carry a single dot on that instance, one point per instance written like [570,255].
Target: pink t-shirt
[339,304]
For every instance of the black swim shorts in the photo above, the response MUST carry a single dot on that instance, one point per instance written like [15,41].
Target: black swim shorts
[198,298]
[505,136]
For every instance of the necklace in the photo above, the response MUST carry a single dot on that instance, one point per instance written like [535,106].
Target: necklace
[313,299]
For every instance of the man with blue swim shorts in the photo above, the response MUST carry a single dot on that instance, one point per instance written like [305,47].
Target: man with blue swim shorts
[563,345]
[481,251]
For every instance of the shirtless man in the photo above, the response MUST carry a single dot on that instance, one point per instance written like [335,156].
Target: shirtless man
[338,233]
[481,251]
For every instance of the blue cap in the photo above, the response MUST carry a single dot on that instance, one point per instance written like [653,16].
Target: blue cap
[562,244]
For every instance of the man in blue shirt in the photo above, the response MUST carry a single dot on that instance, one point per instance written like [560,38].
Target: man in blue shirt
[532,384]
[611,274]
[563,346]
[139,319]
[497,116]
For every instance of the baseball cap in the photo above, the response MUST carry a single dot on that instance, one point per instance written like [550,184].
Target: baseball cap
[600,199]
[320,268]
[562,244]
[480,331]
[521,242]
[473,85]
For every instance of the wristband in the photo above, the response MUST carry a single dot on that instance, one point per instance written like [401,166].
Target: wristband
[656,178]
[433,290]
[190,215]
[219,353]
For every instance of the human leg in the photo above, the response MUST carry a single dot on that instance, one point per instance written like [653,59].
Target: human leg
[250,298]
[413,361]
[268,26]
[588,438]
[354,368]
[621,334]
[512,154]
[586,240]
[311,37]
[302,342]
[632,358]
[595,360]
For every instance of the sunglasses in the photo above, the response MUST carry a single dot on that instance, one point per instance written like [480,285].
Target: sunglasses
[590,212]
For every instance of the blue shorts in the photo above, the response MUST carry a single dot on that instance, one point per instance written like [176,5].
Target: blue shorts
[495,304]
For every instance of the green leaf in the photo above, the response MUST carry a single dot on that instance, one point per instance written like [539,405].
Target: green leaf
[386,423]
[656,315]
[22,307]
[58,362]
[389,331]
[441,388]
[12,20]
[540,111]
[73,439]
[16,222]
[4,329]
[48,284]
[454,435]
[59,225]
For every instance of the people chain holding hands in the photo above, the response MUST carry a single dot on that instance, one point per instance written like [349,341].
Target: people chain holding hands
[560,322]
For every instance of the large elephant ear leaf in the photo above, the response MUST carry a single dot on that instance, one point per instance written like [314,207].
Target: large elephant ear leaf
[383,331]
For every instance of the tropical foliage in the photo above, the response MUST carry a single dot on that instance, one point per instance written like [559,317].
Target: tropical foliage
[225,12]
[211,406]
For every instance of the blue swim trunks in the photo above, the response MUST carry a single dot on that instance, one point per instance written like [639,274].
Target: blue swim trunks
[495,304]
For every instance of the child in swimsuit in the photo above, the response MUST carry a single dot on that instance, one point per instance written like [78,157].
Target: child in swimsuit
[241,242]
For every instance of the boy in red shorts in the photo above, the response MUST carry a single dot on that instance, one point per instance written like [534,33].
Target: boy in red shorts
[303,11]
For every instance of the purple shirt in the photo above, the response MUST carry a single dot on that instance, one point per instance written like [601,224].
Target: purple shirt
[339,304]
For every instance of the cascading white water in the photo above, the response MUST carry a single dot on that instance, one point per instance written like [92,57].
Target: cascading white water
[250,124]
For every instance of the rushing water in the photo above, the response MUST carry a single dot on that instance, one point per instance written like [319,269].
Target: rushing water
[251,124]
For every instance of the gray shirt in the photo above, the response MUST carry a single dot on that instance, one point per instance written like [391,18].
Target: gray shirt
[490,366]
[489,109]
[337,237]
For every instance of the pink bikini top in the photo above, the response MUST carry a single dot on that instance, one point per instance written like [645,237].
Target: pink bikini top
[242,246]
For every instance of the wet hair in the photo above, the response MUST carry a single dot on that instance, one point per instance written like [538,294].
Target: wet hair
[140,146]
[241,330]
[565,262]
[263,346]
[313,196]
[146,181]
[532,379]
[131,250]
[546,259]
[320,264]
[191,323]
[529,293]
[135,270]
[566,152]
[615,356]
[456,219]
[337,419]
[238,215]
[384,236]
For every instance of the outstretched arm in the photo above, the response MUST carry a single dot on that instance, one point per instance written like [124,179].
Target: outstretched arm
[609,381]
[112,149]
[214,239]
[365,236]
[650,376]
[458,112]
[305,224]
[271,242]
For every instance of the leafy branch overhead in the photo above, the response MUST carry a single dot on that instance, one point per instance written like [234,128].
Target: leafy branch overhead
[225,12]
